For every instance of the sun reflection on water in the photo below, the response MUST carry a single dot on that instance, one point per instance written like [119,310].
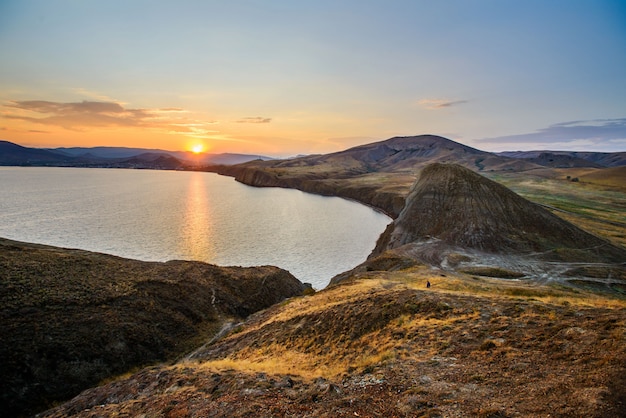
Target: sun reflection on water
[197,229]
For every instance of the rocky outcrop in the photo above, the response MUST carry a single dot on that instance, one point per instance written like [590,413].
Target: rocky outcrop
[70,318]
[461,208]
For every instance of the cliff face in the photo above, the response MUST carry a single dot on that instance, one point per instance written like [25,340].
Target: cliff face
[71,318]
[371,193]
[464,209]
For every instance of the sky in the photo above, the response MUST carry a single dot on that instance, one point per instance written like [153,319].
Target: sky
[288,77]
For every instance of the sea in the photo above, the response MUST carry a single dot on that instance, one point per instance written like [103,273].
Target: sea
[154,215]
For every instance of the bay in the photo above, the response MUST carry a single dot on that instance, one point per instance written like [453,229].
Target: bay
[165,215]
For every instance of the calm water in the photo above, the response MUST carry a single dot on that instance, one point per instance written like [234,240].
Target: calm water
[166,215]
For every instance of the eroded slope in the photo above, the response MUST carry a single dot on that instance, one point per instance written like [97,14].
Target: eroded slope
[71,318]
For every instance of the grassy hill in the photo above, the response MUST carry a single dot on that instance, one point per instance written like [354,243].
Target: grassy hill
[463,209]
[382,344]
[71,318]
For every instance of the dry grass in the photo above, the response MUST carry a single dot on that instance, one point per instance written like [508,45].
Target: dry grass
[597,207]
[71,318]
[310,355]
[384,345]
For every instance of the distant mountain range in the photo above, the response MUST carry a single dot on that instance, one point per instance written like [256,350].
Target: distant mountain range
[115,157]
[567,159]
[390,155]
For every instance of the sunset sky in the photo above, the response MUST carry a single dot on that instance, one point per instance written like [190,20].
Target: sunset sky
[286,77]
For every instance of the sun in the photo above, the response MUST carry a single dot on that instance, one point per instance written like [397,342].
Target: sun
[197,149]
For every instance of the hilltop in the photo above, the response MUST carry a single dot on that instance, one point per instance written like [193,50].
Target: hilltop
[378,174]
[72,318]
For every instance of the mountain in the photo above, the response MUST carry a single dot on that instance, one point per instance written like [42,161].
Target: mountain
[378,174]
[123,152]
[405,153]
[460,208]
[115,157]
[561,159]
[13,154]
[475,303]
[72,318]
[149,160]
[105,152]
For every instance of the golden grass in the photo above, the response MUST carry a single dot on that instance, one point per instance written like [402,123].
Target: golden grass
[407,337]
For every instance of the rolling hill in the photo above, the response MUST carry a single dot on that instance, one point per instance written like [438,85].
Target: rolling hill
[71,318]
[570,158]
[114,157]
[13,154]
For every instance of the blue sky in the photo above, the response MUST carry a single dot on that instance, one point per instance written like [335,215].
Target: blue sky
[289,77]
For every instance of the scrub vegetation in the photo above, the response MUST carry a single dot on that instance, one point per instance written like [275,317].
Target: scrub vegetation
[381,344]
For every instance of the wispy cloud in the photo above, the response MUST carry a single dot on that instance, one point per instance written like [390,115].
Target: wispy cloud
[579,132]
[97,114]
[94,95]
[434,104]
[256,119]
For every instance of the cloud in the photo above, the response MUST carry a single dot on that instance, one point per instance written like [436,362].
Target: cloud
[257,119]
[580,132]
[435,104]
[102,114]
[79,114]
[35,131]
[93,95]
[591,130]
